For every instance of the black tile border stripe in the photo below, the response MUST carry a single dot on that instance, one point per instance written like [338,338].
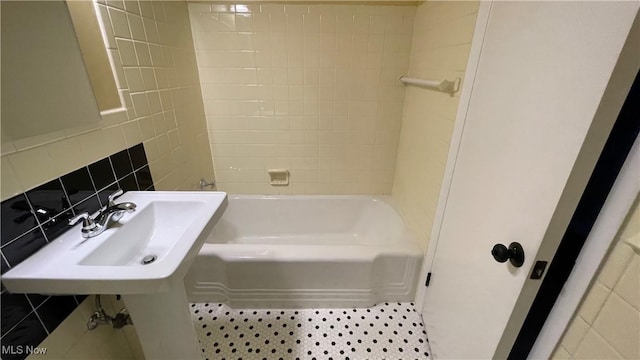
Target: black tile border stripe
[13,337]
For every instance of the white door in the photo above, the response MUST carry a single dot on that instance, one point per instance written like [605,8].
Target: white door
[541,74]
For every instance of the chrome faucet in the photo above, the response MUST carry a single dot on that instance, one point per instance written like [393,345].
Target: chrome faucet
[94,226]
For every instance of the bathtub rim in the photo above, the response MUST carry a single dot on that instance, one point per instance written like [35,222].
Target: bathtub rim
[406,234]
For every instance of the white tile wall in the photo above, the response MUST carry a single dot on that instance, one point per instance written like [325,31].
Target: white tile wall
[607,323]
[152,49]
[311,88]
[440,48]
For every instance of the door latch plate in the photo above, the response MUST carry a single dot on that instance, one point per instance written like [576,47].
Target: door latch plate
[538,270]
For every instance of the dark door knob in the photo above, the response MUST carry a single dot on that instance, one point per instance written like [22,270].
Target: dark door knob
[514,253]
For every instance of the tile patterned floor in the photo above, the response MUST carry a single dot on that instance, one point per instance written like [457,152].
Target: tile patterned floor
[392,331]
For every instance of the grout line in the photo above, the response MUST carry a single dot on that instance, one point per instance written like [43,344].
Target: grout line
[94,193]
[34,308]
[628,303]
[33,212]
[33,311]
[19,236]
[95,189]
[609,292]
[129,157]
[102,206]
[615,349]
[39,226]
[64,190]
[118,184]
[5,259]
[86,201]
[113,171]
[21,320]
[135,178]
[105,188]
[40,319]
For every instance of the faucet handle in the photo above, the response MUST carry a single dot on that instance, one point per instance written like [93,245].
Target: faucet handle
[87,221]
[114,196]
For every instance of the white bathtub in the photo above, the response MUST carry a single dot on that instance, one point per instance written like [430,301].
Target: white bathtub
[306,251]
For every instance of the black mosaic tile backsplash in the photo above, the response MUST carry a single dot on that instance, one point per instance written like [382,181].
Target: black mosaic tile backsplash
[36,218]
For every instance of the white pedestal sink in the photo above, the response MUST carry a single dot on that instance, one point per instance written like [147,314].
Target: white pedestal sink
[172,226]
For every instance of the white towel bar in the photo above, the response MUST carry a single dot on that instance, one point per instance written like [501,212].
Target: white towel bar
[445,86]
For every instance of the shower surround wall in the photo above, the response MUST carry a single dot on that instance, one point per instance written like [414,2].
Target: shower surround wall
[440,49]
[309,88]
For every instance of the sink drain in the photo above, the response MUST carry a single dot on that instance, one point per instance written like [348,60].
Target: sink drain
[148,259]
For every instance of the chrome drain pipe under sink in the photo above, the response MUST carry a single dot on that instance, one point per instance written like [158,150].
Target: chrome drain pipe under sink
[100,317]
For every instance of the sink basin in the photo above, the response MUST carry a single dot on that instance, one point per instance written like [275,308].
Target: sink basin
[152,232]
[166,230]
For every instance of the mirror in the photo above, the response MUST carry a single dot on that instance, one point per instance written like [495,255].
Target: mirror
[52,53]
[84,16]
